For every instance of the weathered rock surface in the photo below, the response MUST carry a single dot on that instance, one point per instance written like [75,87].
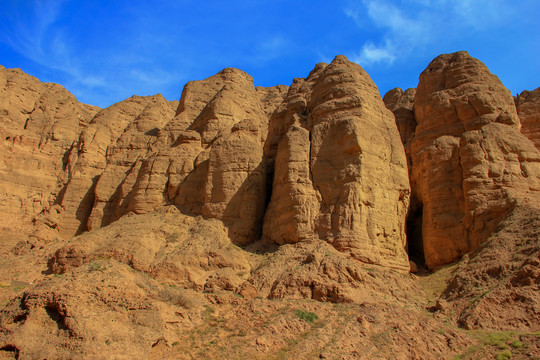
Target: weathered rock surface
[195,254]
[497,287]
[209,159]
[100,310]
[528,108]
[39,122]
[469,160]
[223,224]
[110,145]
[213,156]
[401,103]
[324,161]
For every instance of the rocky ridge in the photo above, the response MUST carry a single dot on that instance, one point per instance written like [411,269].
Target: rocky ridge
[151,215]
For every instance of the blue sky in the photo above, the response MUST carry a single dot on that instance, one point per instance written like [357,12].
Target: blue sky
[106,51]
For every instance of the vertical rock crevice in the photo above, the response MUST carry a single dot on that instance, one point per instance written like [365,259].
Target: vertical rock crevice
[415,242]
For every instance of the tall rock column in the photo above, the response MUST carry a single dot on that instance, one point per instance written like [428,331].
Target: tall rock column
[340,169]
[470,163]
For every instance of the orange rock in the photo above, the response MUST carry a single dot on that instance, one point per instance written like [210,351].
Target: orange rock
[528,108]
[469,161]
[39,122]
[328,134]
[401,103]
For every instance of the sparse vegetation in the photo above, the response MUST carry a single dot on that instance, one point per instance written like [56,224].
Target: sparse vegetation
[173,238]
[504,355]
[498,339]
[501,343]
[516,344]
[95,266]
[306,315]
[177,296]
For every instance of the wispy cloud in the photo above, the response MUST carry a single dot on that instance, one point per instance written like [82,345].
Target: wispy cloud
[408,26]
[371,53]
[270,48]
[97,76]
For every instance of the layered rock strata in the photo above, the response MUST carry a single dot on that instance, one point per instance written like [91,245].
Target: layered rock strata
[101,164]
[39,123]
[229,150]
[470,163]
[288,164]
[401,103]
[528,108]
[328,153]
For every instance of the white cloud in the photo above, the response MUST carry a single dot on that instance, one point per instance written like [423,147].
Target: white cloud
[370,54]
[408,26]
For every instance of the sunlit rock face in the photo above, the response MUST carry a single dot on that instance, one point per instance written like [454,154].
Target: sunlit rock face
[329,141]
[323,159]
[470,163]
[528,107]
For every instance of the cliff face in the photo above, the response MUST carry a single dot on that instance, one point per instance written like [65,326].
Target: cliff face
[528,107]
[325,160]
[469,162]
[156,213]
[285,164]
[39,123]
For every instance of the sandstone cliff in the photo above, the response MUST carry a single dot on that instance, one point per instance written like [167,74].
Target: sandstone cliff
[528,107]
[229,150]
[401,103]
[327,152]
[110,146]
[39,123]
[165,229]
[469,162]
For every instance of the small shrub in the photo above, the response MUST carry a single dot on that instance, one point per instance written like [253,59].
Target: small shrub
[516,344]
[173,238]
[179,297]
[96,267]
[306,315]
[498,339]
[504,355]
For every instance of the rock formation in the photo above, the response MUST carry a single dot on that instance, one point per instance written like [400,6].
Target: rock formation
[470,164]
[528,108]
[401,103]
[212,157]
[165,229]
[99,165]
[39,123]
[328,151]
